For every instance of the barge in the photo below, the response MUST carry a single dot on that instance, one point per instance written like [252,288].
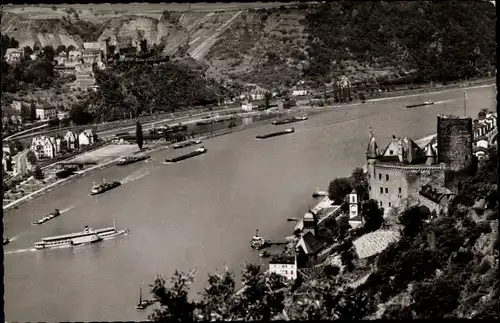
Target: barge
[419,105]
[132,159]
[290,120]
[186,144]
[274,134]
[103,187]
[49,217]
[198,151]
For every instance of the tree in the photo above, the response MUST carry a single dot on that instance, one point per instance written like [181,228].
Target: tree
[267,97]
[218,297]
[27,51]
[412,220]
[38,173]
[60,49]
[70,48]
[78,115]
[173,300]
[18,145]
[338,190]
[482,114]
[32,112]
[31,157]
[360,183]
[138,135]
[373,215]
[48,53]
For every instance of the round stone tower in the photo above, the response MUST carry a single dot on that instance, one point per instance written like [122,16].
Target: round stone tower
[455,138]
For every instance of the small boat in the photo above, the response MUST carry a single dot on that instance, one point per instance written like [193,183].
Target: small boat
[274,134]
[132,159]
[283,121]
[198,151]
[257,242]
[143,303]
[318,193]
[292,220]
[429,102]
[419,104]
[264,254]
[103,187]
[52,215]
[6,241]
[301,118]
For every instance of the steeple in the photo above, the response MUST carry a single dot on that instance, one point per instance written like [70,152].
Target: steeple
[372,150]
[430,154]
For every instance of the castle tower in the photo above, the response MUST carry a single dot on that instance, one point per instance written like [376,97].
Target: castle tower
[455,138]
[310,223]
[353,204]
[372,154]
[430,154]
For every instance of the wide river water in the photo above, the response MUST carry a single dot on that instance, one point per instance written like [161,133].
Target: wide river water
[196,214]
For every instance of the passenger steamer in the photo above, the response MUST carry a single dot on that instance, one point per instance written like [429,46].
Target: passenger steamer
[87,236]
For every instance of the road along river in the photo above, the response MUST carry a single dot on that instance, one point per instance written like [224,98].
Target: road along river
[196,214]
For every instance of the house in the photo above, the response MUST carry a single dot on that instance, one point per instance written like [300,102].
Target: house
[402,168]
[309,246]
[62,115]
[355,218]
[247,106]
[71,140]
[45,147]
[284,265]
[299,92]
[87,137]
[435,196]
[46,112]
[13,55]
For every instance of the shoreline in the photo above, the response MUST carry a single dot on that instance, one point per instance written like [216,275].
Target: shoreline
[308,110]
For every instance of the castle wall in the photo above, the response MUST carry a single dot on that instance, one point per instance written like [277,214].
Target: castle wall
[455,139]
[389,183]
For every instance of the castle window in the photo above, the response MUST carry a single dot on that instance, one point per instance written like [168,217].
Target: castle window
[380,177]
[389,204]
[381,204]
[369,188]
[353,199]
[386,190]
[386,177]
[391,152]
[400,190]
[381,190]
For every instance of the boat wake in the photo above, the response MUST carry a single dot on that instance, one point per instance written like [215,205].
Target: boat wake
[134,177]
[166,163]
[18,251]
[69,208]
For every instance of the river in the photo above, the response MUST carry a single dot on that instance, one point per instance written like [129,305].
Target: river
[196,214]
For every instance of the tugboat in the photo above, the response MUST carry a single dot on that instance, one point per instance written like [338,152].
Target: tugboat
[257,242]
[301,118]
[143,303]
[52,215]
[6,241]
[103,187]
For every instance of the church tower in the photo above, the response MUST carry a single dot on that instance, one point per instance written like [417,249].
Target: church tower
[372,154]
[353,205]
[310,223]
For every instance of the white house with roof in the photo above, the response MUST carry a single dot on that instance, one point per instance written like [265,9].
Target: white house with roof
[299,92]
[46,112]
[45,147]
[71,140]
[87,137]
[285,266]
[13,55]
[247,106]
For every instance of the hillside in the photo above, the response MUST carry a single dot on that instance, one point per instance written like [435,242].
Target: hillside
[373,43]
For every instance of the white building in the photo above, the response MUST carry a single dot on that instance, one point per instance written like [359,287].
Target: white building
[46,112]
[299,92]
[17,106]
[45,147]
[14,55]
[87,137]
[62,115]
[355,218]
[71,140]
[285,266]
[247,106]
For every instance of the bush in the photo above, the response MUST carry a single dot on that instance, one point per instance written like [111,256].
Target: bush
[38,174]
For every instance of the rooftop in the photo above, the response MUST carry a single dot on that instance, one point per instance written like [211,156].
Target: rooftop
[289,260]
[375,242]
[310,243]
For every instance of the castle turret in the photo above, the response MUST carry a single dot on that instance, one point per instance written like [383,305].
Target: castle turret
[430,155]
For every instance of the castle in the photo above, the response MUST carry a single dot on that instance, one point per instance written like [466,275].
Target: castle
[430,175]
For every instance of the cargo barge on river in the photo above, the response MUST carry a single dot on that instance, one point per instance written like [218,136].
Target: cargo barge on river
[49,217]
[198,151]
[103,187]
[290,120]
[274,134]
[419,105]
[186,144]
